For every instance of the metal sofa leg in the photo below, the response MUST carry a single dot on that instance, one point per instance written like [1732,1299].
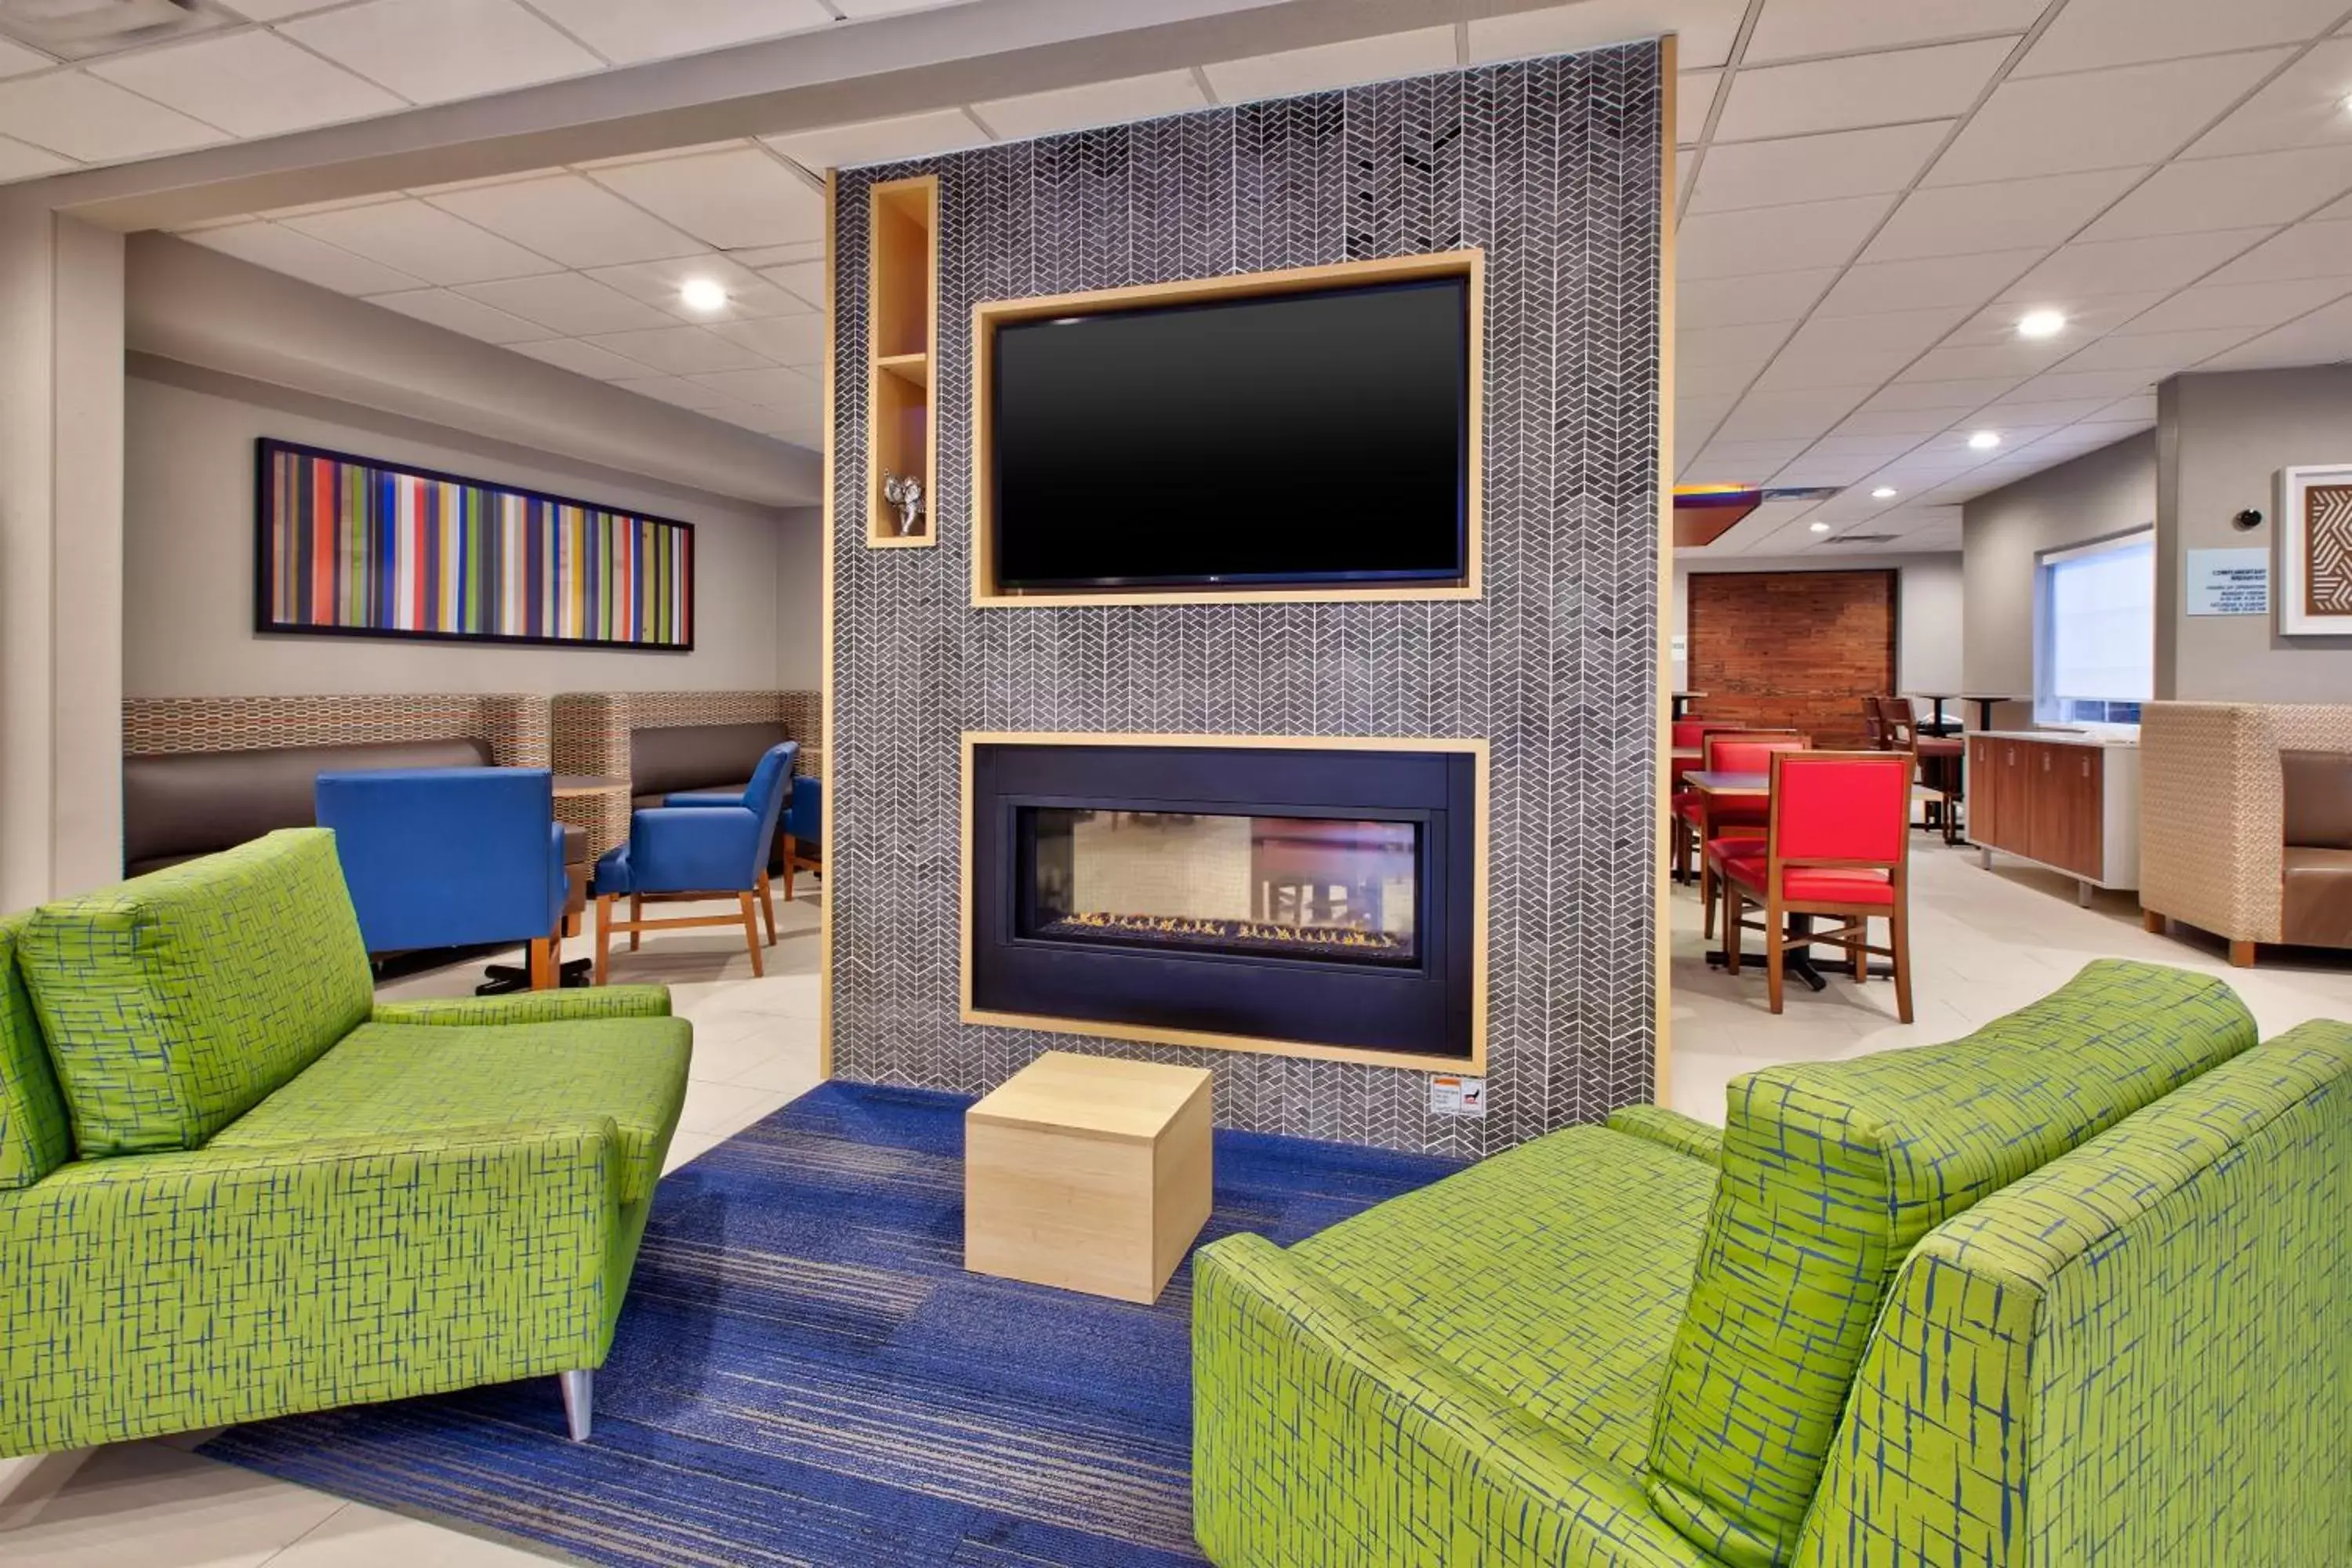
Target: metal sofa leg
[579,1402]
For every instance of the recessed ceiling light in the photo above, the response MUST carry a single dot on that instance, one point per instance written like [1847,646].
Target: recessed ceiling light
[2347,103]
[1821,528]
[2041,323]
[1984,440]
[703,294]
[1883,492]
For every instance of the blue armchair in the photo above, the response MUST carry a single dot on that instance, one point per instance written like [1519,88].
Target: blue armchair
[695,847]
[804,827]
[451,857]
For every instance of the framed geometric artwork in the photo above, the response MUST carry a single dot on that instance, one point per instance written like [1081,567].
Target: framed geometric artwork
[351,546]
[2314,551]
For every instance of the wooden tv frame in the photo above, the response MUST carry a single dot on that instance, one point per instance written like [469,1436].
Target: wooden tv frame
[986,317]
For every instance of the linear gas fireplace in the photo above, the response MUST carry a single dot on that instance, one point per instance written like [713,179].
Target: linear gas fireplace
[1316,896]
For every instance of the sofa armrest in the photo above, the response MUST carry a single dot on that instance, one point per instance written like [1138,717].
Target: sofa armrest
[150,1294]
[695,849]
[531,1006]
[1671,1129]
[1321,1436]
[702,799]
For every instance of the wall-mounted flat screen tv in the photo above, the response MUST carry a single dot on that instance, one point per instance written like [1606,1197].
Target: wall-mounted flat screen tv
[1261,440]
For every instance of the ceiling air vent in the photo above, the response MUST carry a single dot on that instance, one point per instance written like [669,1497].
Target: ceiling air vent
[85,29]
[1861,538]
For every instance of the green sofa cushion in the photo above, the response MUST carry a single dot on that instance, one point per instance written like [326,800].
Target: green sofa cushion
[35,1137]
[1833,1172]
[174,1002]
[1552,1275]
[429,1078]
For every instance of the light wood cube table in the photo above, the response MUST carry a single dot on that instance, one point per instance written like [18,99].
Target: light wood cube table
[1087,1172]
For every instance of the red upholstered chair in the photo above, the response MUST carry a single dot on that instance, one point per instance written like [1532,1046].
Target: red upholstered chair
[1731,751]
[1837,844]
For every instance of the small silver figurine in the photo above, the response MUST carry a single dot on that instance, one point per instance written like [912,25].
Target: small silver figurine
[905,492]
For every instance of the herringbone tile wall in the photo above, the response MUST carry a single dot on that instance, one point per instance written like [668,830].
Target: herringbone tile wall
[1552,166]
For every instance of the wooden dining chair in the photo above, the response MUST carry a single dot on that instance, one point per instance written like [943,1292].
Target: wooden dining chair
[1837,844]
[1731,751]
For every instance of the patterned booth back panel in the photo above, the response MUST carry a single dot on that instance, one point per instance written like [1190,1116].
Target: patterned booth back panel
[177,1001]
[35,1138]
[1833,1172]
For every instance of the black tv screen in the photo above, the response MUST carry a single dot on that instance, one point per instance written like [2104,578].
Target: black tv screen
[1306,438]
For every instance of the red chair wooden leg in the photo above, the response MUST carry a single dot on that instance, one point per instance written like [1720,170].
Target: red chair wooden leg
[1775,941]
[1731,909]
[1898,937]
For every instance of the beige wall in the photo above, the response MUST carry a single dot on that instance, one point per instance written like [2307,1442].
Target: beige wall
[188,560]
[2226,437]
[1927,610]
[2096,496]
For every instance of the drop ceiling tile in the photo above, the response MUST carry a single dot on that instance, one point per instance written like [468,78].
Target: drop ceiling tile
[2109,432]
[803,280]
[570,303]
[628,31]
[735,197]
[2324,337]
[253,83]
[2137,411]
[2305,250]
[787,340]
[2088,317]
[1789,28]
[1746,345]
[1815,168]
[581,359]
[276,10]
[787,389]
[568,219]
[296,254]
[1881,287]
[2022,410]
[1849,350]
[673,389]
[1778,415]
[2257,306]
[423,241]
[1953,220]
[1811,471]
[657,283]
[1850,444]
[2303,108]
[1715,380]
[681,351]
[2061,385]
[2101,119]
[1693,101]
[2158,351]
[1704,303]
[2016,357]
[20,162]
[1751,458]
[766,256]
[1948,397]
[1378,58]
[2230,193]
[459,315]
[1937,82]
[1914,424]
[2160,264]
[15,60]
[1095,103]
[96,121]
[2091,34]
[1775,239]
[1707,29]
[881,140]
[432,51]
[861,10]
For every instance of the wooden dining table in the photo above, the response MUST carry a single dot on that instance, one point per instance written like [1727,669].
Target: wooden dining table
[1796,957]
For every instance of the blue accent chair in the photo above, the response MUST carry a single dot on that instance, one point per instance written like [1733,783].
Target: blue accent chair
[696,846]
[803,826]
[451,857]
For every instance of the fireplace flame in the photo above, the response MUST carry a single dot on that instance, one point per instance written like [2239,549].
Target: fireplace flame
[1198,927]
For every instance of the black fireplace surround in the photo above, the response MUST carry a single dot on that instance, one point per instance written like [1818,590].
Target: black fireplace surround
[1311,896]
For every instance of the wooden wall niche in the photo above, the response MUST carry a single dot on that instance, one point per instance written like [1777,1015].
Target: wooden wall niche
[902,347]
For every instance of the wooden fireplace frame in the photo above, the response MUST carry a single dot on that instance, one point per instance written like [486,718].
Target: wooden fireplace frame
[1474,1065]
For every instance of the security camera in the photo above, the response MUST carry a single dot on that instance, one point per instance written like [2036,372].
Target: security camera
[2247,519]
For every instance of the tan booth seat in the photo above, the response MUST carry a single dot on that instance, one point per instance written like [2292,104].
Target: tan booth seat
[2246,822]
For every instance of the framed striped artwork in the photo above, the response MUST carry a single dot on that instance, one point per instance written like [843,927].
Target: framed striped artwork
[351,546]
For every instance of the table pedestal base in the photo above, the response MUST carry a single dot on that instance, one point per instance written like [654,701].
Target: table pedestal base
[1797,958]
[505,979]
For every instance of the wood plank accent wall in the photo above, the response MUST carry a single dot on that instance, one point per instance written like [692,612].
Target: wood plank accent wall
[1792,649]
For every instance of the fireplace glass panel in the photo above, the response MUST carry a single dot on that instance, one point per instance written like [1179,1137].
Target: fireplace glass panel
[1325,889]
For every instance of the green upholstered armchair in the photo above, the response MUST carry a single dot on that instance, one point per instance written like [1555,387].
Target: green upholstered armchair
[233,1187]
[2074,1291]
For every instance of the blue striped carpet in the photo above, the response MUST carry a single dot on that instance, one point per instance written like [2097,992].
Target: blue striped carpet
[805,1374]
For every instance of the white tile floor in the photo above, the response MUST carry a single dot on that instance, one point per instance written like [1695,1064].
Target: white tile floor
[1984,943]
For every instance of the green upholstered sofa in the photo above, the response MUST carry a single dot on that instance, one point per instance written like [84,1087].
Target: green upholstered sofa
[234,1186]
[2074,1291]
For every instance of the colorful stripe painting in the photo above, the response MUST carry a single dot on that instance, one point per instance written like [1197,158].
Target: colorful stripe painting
[352,546]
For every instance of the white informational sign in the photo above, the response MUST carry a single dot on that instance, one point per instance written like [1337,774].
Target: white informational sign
[2229,581]
[1451,1096]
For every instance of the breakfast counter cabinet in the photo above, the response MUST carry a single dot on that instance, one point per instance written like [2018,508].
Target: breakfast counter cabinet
[2067,801]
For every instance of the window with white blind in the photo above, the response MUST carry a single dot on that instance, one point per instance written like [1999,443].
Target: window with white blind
[2094,631]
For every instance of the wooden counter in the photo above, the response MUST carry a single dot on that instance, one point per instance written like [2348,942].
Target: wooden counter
[2069,801]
